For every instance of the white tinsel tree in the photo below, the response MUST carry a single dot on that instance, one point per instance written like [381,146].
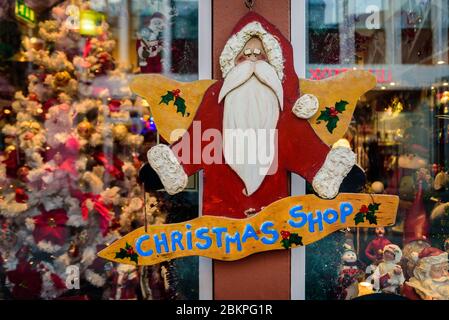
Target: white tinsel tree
[69,169]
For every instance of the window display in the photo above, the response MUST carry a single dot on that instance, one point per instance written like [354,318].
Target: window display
[72,137]
[398,131]
[121,164]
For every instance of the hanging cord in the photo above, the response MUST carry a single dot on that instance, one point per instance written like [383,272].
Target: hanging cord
[250,4]
[145,207]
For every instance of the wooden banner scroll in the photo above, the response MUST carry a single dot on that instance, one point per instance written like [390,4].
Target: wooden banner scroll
[287,223]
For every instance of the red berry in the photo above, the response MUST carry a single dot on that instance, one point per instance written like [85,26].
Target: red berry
[364,209]
[333,112]
[130,251]
[285,234]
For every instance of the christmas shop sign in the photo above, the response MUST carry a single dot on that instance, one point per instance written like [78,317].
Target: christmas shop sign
[288,223]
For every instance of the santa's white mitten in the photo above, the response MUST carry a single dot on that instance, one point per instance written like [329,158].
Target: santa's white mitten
[306,106]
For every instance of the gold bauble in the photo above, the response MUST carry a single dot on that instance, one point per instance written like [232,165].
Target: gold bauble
[85,129]
[119,132]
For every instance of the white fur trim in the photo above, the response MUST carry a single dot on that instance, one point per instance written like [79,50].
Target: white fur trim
[48,247]
[431,260]
[94,278]
[336,167]
[306,106]
[237,42]
[163,161]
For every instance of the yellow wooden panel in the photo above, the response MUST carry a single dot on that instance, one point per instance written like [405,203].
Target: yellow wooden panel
[348,86]
[270,225]
[152,87]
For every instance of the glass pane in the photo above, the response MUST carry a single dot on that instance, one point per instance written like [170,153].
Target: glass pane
[400,134]
[73,138]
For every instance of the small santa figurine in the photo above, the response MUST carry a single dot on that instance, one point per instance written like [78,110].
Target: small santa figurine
[349,276]
[150,44]
[430,279]
[388,276]
[374,250]
[125,283]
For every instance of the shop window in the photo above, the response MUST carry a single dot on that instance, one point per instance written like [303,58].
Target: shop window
[72,139]
[399,133]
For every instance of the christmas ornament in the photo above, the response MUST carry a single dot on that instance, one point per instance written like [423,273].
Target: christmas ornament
[430,280]
[374,249]
[85,129]
[388,276]
[349,276]
[150,44]
[119,132]
[22,173]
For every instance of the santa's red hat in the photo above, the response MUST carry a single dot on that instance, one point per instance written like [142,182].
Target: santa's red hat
[432,256]
[278,48]
[416,224]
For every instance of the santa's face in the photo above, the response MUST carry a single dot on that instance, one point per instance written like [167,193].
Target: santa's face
[156,25]
[253,51]
[253,97]
[439,272]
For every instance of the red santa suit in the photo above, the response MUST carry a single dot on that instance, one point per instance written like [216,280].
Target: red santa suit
[375,248]
[299,148]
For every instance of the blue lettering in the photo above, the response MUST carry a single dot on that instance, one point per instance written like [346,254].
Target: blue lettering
[295,212]
[189,237]
[218,232]
[346,209]
[139,250]
[318,219]
[249,233]
[265,228]
[234,239]
[201,234]
[176,239]
[162,242]
[328,213]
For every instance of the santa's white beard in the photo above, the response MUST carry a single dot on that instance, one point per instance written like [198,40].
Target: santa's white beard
[438,288]
[253,95]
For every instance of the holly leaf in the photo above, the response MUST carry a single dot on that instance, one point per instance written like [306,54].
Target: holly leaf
[134,257]
[167,98]
[371,217]
[180,103]
[285,243]
[374,206]
[325,115]
[122,254]
[127,246]
[296,239]
[359,218]
[332,124]
[341,106]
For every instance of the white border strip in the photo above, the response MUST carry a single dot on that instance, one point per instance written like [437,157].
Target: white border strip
[206,278]
[298,184]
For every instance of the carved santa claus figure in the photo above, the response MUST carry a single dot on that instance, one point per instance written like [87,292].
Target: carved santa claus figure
[430,279]
[263,135]
[258,110]
[388,276]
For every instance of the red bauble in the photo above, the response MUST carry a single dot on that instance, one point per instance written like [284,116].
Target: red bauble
[21,196]
[50,226]
[114,105]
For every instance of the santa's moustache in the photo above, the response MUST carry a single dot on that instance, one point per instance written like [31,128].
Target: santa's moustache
[252,94]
